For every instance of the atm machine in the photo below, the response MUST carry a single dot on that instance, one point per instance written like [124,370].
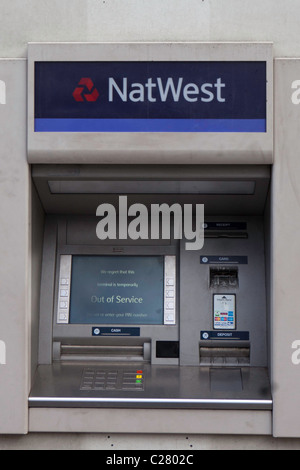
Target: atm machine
[145,324]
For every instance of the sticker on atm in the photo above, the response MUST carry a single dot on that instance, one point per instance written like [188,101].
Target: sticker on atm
[224,311]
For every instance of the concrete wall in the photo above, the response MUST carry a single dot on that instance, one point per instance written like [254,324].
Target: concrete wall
[153,20]
[117,442]
[148,20]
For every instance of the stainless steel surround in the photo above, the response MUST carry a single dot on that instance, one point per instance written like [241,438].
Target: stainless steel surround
[60,385]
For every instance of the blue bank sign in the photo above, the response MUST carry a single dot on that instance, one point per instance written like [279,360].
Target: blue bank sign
[150,96]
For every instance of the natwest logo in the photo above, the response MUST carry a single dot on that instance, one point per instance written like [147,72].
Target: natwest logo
[169,89]
[86,84]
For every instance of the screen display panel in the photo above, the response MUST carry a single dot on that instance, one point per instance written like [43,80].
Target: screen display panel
[121,290]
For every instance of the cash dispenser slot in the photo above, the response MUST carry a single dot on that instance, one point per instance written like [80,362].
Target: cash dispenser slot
[75,352]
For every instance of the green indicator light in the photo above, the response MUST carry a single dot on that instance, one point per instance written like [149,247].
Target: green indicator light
[138,381]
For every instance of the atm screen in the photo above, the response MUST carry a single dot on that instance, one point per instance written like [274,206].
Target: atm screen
[117,290]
